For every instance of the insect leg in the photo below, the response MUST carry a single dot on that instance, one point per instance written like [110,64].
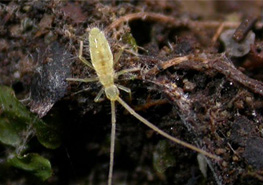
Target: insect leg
[126,89]
[112,145]
[152,126]
[82,59]
[118,55]
[97,98]
[83,79]
[127,71]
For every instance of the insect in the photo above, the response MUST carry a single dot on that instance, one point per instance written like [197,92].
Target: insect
[103,63]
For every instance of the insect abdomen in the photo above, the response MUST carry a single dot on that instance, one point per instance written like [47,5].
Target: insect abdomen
[101,56]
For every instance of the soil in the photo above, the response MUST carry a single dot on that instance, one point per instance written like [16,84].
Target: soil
[188,85]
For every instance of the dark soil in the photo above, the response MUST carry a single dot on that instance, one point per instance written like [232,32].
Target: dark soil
[188,86]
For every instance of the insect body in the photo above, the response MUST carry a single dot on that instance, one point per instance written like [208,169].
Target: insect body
[102,62]
[101,57]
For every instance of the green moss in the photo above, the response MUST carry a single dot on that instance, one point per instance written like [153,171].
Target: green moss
[16,124]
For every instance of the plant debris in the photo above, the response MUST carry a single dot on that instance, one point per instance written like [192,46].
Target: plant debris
[244,28]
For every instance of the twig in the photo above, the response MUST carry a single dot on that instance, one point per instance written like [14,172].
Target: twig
[218,32]
[171,21]
[167,64]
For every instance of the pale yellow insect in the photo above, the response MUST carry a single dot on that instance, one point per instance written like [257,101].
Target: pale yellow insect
[102,62]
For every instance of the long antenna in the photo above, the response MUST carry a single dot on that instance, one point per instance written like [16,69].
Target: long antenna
[112,141]
[152,126]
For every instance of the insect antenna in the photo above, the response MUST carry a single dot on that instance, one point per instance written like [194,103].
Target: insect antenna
[112,141]
[153,127]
